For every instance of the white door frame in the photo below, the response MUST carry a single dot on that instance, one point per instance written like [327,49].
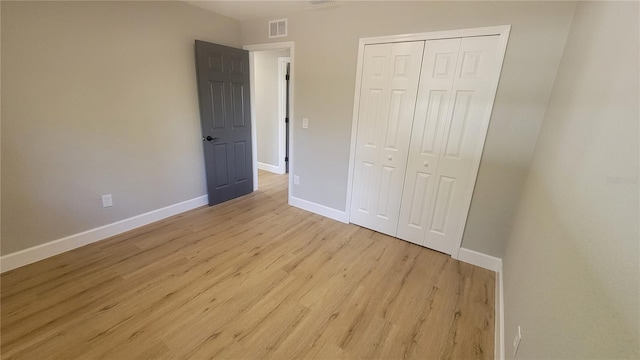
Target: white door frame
[502,31]
[288,45]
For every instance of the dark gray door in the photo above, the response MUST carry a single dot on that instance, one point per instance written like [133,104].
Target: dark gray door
[223,89]
[286,125]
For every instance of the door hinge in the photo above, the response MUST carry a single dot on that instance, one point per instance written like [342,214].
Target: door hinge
[286,77]
[286,120]
[286,158]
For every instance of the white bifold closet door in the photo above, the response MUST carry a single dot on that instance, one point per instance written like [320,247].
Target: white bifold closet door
[387,101]
[423,115]
[447,139]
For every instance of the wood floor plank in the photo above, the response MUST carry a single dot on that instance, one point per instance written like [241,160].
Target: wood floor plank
[252,278]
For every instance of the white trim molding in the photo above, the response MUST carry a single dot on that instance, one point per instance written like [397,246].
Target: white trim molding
[270,168]
[266,47]
[269,46]
[52,248]
[479,259]
[435,35]
[319,209]
[498,348]
[494,264]
[254,132]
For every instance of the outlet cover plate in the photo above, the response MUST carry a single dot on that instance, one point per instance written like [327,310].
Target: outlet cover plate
[107,200]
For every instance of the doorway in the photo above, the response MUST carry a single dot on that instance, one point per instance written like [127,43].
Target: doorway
[271,93]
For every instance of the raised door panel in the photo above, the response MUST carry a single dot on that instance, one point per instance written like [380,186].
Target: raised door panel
[462,141]
[431,114]
[387,101]
[372,106]
[238,105]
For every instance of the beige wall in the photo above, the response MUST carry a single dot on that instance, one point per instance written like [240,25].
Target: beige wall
[97,98]
[266,106]
[326,46]
[571,267]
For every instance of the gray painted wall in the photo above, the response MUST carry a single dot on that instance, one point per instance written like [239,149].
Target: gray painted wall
[326,46]
[266,106]
[98,98]
[571,270]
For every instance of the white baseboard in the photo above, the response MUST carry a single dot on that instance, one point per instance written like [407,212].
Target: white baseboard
[270,168]
[52,248]
[494,264]
[499,317]
[479,259]
[319,209]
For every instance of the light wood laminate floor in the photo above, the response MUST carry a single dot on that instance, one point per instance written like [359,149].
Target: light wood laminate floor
[251,278]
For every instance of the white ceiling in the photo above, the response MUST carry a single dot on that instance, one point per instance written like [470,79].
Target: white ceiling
[248,10]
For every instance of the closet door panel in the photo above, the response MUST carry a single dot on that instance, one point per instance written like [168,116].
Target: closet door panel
[385,114]
[372,106]
[462,141]
[432,112]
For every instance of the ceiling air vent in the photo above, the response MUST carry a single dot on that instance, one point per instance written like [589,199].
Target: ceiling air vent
[277,28]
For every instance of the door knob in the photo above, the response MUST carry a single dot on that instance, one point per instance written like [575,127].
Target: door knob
[389,157]
[426,164]
[211,139]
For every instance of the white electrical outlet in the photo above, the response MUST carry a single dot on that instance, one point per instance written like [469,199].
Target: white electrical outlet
[107,200]
[296,180]
[516,341]
[305,123]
